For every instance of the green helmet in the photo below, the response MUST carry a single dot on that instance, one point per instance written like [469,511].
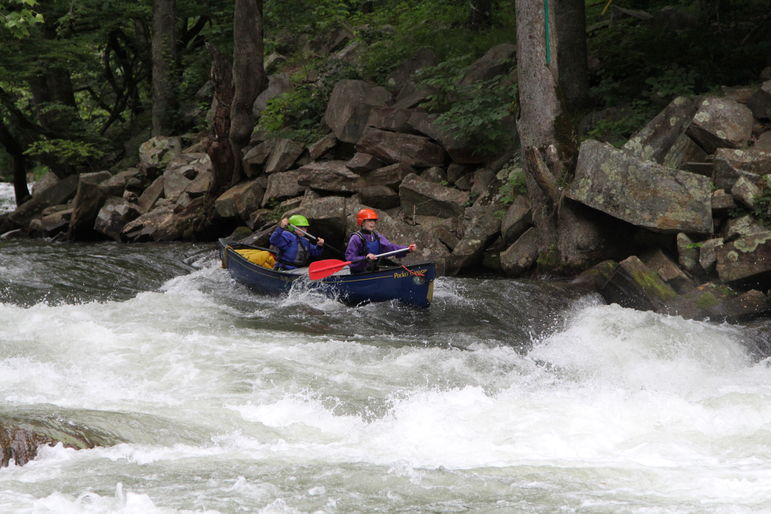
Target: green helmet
[297,220]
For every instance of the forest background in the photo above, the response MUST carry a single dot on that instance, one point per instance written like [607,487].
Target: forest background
[79,91]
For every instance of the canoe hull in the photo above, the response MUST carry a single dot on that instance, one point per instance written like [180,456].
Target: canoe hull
[380,286]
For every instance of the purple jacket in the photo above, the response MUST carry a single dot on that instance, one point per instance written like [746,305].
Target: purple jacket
[357,248]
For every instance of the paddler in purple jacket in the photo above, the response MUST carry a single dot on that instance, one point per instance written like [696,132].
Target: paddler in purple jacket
[368,243]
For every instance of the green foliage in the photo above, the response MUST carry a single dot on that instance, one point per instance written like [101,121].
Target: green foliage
[472,112]
[38,172]
[642,65]
[297,114]
[63,150]
[397,28]
[762,209]
[18,17]
[514,185]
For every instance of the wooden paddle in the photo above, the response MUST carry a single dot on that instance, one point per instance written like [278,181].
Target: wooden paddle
[327,267]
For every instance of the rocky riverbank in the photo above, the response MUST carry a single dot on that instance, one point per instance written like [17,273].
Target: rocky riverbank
[687,199]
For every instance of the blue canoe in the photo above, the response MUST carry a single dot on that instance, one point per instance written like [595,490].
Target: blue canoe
[414,288]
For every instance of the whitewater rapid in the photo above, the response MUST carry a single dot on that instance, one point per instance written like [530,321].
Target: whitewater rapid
[224,401]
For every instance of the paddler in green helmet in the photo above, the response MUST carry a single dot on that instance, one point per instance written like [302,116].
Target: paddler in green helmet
[290,239]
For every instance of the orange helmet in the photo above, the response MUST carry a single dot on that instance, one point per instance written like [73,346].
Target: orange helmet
[365,214]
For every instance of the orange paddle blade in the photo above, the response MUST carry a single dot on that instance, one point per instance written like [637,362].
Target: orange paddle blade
[321,269]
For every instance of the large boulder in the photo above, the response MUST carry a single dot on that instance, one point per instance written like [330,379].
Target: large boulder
[114,215]
[481,225]
[21,437]
[281,186]
[328,176]
[460,150]
[394,119]
[349,106]
[379,197]
[361,162]
[719,303]
[409,149]
[151,195]
[521,255]
[760,102]
[390,176]
[57,193]
[669,272]
[746,260]
[240,200]
[53,220]
[322,146]
[157,225]
[256,156]
[517,219]
[284,154]
[719,123]
[732,164]
[686,155]
[657,137]
[328,216]
[642,193]
[419,196]
[159,151]
[278,84]
[89,199]
[742,226]
[633,284]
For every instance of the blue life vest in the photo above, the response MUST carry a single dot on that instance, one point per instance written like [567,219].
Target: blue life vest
[372,246]
[296,256]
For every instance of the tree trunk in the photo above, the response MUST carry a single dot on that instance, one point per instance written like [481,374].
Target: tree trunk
[248,77]
[164,49]
[218,142]
[572,57]
[567,239]
[53,85]
[539,108]
[19,162]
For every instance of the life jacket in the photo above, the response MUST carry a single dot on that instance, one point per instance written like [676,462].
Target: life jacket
[372,246]
[296,255]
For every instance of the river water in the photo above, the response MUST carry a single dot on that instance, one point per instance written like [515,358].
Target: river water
[504,396]
[7,198]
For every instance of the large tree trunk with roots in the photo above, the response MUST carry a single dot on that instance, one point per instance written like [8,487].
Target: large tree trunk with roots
[248,77]
[164,58]
[567,239]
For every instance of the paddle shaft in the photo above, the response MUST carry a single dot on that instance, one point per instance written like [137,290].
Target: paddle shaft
[386,254]
[315,238]
[322,269]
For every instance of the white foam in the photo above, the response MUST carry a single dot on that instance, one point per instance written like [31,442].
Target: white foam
[646,408]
